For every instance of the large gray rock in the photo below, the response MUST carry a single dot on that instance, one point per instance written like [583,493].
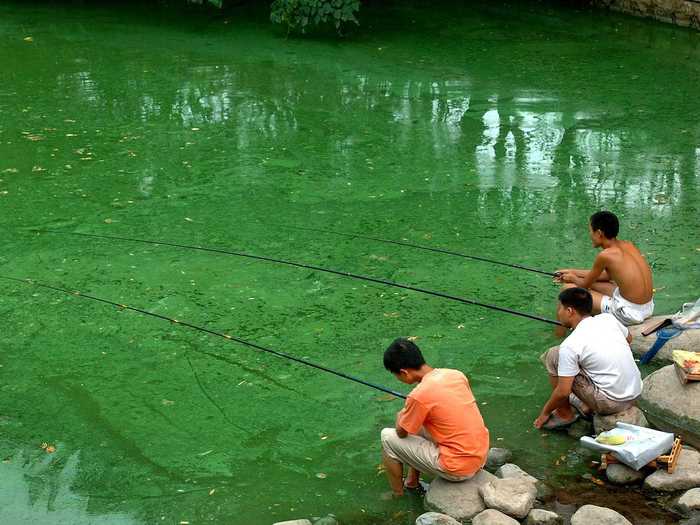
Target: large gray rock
[590,515]
[632,415]
[685,476]
[461,500]
[497,457]
[512,496]
[435,518]
[620,474]
[688,340]
[689,501]
[672,406]
[543,517]
[511,470]
[493,517]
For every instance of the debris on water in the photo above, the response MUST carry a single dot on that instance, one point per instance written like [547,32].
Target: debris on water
[324,437]
[28,39]
[188,219]
[321,475]
[205,453]
[167,402]
[108,221]
[211,492]
[50,449]
[385,397]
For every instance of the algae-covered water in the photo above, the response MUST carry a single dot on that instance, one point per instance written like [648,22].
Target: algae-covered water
[491,130]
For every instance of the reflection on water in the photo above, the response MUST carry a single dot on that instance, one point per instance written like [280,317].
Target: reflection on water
[39,490]
[475,130]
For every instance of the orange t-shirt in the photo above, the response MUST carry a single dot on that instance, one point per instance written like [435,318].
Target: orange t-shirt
[443,403]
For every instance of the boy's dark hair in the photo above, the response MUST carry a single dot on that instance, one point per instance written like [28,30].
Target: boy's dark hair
[577,298]
[402,353]
[606,222]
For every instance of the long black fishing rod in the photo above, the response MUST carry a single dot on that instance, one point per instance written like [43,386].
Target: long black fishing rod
[420,247]
[316,268]
[276,353]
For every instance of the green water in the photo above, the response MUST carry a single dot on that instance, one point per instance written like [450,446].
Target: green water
[492,130]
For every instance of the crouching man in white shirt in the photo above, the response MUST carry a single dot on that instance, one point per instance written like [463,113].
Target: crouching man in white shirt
[592,369]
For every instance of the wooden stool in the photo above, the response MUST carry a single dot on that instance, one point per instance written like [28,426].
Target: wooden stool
[666,462]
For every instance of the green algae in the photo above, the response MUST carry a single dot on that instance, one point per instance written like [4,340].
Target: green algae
[492,130]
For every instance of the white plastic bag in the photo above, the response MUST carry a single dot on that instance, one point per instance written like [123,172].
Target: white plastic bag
[688,317]
[642,445]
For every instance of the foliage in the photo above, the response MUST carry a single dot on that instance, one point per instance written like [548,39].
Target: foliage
[217,3]
[299,15]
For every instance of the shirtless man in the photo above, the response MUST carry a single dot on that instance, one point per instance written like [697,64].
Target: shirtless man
[620,279]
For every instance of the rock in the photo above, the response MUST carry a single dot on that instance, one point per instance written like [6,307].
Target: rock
[688,340]
[543,517]
[685,476]
[590,514]
[580,428]
[461,500]
[620,474]
[689,501]
[293,522]
[632,415]
[692,520]
[671,406]
[497,457]
[511,470]
[327,520]
[493,517]
[435,518]
[512,496]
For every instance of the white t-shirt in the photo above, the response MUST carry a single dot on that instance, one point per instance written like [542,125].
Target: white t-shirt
[598,347]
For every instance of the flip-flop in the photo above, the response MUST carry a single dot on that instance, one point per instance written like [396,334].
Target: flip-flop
[576,402]
[419,489]
[555,422]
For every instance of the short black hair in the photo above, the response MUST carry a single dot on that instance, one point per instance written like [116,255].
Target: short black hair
[577,298]
[403,353]
[606,222]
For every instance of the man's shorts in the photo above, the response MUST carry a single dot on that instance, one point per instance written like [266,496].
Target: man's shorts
[584,388]
[628,313]
[418,451]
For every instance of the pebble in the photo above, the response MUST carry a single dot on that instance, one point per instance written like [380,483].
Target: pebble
[689,501]
[493,517]
[620,474]
[497,457]
[591,514]
[543,517]
[512,496]
[435,518]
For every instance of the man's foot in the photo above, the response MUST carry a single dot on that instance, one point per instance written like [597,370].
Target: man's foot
[420,488]
[557,422]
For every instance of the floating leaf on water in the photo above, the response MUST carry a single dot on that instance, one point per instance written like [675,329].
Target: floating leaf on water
[385,397]
[188,219]
[28,39]
[211,492]
[321,475]
[15,170]
[167,402]
[108,221]
[201,454]
[413,338]
[50,449]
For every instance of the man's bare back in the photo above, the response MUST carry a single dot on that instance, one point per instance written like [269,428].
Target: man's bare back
[620,279]
[627,268]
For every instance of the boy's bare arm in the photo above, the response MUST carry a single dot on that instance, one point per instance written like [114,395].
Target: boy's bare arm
[599,265]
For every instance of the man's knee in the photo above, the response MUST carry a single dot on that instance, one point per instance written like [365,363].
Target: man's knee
[550,360]
[388,435]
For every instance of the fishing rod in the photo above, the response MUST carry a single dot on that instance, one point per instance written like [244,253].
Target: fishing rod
[276,353]
[420,247]
[319,269]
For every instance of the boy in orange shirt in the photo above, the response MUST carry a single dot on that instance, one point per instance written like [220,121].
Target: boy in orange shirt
[439,431]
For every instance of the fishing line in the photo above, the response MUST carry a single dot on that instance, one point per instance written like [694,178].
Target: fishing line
[276,353]
[319,269]
[420,247]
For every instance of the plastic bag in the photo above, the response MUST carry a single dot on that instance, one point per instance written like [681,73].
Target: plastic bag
[642,445]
